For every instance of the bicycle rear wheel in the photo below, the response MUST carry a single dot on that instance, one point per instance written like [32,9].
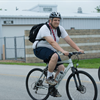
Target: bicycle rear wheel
[88,87]
[36,86]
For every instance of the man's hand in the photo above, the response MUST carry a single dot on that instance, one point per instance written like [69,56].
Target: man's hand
[66,53]
[80,50]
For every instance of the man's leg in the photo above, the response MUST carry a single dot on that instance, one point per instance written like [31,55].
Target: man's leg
[51,67]
[55,92]
[60,68]
[53,62]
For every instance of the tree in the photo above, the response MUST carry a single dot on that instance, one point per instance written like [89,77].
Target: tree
[98,8]
[0,9]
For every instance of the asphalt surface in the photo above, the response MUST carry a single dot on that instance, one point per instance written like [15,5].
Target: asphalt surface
[12,82]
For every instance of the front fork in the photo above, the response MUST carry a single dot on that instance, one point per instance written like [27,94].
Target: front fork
[76,78]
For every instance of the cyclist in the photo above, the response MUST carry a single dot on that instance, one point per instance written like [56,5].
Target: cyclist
[46,50]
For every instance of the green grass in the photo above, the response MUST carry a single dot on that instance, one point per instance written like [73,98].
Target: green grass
[23,63]
[87,63]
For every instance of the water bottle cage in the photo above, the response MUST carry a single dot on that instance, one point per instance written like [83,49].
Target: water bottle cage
[59,77]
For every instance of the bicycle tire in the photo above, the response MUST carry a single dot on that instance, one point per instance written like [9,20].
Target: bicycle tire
[88,83]
[99,73]
[31,87]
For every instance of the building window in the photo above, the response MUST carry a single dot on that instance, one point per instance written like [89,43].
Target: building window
[8,22]
[47,9]
[72,28]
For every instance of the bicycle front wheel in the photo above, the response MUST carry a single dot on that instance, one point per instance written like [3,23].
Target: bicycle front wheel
[99,73]
[86,91]
[36,86]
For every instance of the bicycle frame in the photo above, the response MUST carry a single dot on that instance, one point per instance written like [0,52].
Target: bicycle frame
[70,65]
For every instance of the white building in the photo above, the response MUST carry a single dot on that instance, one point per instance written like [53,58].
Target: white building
[15,23]
[44,8]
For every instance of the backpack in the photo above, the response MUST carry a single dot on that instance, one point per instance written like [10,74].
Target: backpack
[35,29]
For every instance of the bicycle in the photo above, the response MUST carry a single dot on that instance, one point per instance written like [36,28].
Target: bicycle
[79,86]
[99,73]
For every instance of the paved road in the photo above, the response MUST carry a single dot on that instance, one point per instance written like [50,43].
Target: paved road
[12,83]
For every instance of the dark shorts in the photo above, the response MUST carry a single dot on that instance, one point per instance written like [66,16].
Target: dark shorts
[45,54]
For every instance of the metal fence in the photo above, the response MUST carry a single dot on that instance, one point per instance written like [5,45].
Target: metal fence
[14,48]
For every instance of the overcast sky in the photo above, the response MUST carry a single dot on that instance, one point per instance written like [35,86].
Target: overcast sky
[65,6]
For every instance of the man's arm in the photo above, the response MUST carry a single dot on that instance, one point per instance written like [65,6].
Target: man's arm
[72,44]
[55,45]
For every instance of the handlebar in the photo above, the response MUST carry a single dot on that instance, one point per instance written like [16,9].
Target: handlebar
[74,53]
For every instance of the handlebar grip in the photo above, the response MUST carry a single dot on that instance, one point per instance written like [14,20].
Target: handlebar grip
[78,53]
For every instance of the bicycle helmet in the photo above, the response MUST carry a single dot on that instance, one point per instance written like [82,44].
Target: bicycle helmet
[55,15]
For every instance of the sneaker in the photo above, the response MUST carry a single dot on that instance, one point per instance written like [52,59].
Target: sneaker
[58,94]
[54,92]
[51,81]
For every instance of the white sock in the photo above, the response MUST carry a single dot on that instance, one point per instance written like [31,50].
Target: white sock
[49,74]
